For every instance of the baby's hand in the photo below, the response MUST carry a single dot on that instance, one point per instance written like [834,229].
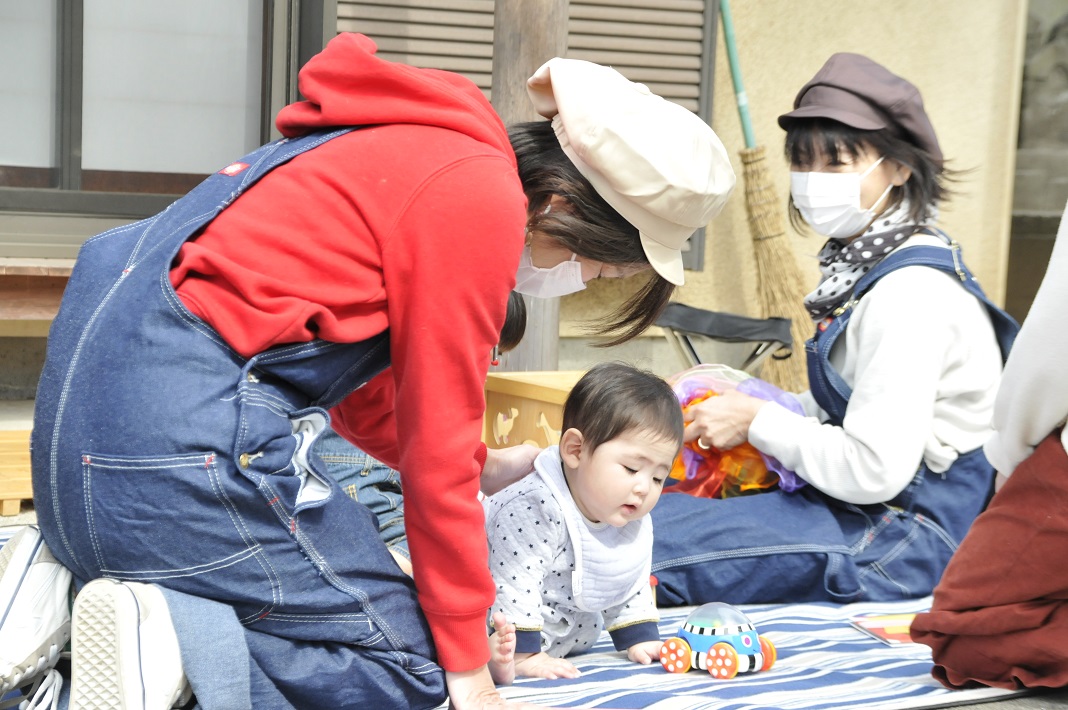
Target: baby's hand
[542,665]
[645,652]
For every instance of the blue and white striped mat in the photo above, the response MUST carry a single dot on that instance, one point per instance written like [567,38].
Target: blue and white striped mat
[823,662]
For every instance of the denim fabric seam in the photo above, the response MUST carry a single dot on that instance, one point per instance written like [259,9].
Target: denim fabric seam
[327,572]
[750,552]
[136,257]
[87,488]
[286,156]
[247,537]
[284,353]
[179,309]
[893,553]
[373,351]
[256,397]
[192,571]
[871,529]
[938,530]
[115,231]
[53,469]
[331,576]
[369,642]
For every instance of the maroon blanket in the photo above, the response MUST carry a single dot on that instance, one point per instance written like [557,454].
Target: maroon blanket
[1000,613]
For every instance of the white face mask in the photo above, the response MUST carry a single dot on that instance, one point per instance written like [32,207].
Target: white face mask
[830,202]
[560,280]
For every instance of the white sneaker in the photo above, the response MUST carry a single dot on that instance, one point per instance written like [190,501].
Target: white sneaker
[124,651]
[34,609]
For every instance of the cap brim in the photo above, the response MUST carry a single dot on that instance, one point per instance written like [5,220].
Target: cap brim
[864,123]
[665,261]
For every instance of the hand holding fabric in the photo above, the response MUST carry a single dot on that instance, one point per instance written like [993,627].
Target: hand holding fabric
[723,421]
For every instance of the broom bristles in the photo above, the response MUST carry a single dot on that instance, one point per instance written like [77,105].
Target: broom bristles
[780,284]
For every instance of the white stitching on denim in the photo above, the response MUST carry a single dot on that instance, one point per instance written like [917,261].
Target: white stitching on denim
[749,552]
[361,596]
[87,493]
[121,229]
[179,572]
[61,406]
[926,522]
[246,536]
[179,309]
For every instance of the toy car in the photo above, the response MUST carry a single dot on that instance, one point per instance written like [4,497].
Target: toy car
[718,638]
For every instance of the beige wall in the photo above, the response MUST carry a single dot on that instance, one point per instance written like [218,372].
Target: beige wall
[964,55]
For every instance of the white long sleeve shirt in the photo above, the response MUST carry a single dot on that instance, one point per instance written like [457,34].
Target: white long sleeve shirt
[1033,399]
[922,359]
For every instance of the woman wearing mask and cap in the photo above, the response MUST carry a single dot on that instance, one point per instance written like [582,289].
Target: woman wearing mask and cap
[359,271]
[903,369]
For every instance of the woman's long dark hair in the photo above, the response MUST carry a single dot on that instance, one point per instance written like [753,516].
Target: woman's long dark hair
[591,228]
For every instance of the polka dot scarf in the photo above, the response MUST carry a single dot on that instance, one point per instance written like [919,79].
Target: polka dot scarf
[842,263]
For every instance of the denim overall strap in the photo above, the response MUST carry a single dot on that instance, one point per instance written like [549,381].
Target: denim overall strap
[829,389]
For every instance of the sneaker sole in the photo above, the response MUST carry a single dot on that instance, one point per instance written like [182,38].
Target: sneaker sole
[106,617]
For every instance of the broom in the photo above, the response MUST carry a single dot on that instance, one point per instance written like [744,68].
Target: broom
[780,286]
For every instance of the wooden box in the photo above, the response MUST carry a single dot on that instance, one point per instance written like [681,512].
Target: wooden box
[15,485]
[526,407]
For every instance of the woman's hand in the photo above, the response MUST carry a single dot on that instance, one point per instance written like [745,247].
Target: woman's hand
[474,690]
[722,421]
[506,466]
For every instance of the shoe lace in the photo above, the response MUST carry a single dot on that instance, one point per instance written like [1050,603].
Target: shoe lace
[44,695]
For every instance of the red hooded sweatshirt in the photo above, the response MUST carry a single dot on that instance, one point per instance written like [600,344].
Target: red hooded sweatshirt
[414,223]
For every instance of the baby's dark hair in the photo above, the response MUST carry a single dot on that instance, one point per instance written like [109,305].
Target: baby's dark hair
[614,398]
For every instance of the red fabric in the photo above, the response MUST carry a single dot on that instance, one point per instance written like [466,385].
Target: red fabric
[415,224]
[1000,612]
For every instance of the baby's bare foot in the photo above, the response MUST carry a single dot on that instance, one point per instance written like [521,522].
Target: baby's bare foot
[502,650]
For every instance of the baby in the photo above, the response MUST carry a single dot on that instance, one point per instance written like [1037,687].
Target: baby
[570,545]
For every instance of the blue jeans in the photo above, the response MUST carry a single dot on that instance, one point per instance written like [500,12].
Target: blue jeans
[805,546]
[368,481]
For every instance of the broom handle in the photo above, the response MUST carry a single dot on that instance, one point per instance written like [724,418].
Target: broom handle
[736,73]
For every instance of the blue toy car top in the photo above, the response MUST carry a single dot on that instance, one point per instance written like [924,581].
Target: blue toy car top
[719,638]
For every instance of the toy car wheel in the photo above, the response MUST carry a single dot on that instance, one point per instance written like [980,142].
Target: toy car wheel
[767,650]
[675,655]
[722,661]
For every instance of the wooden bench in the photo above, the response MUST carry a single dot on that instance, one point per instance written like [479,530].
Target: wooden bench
[15,484]
[30,292]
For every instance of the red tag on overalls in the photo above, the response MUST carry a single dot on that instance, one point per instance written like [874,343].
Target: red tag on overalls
[234,168]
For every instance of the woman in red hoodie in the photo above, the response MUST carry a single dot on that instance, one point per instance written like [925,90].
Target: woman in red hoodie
[361,266]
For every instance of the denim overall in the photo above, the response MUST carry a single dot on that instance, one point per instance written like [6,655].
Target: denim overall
[807,546]
[160,455]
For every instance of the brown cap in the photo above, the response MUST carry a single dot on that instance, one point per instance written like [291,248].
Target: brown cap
[854,90]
